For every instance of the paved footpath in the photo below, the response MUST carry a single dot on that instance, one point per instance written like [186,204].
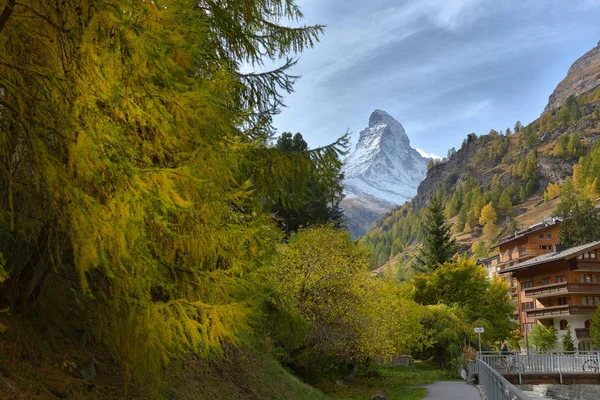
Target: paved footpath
[452,391]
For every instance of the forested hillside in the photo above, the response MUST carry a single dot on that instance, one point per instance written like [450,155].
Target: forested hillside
[493,182]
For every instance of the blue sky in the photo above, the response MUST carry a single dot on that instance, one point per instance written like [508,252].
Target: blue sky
[443,68]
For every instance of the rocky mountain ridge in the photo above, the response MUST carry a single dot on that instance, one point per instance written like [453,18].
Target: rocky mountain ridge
[583,76]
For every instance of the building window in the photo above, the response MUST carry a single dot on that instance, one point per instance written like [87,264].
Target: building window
[588,278]
[548,236]
[546,281]
[527,284]
[540,235]
[595,278]
[587,324]
[528,306]
[563,324]
[560,278]
[562,301]
[590,301]
[587,256]
[550,303]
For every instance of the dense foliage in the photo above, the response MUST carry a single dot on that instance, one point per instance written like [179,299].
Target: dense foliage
[459,296]
[134,160]
[542,338]
[324,284]
[319,202]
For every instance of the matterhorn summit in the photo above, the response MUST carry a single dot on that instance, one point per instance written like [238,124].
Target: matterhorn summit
[384,166]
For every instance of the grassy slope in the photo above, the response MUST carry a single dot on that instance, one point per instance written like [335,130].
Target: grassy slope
[47,365]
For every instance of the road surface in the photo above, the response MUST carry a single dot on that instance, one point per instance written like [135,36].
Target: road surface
[452,391]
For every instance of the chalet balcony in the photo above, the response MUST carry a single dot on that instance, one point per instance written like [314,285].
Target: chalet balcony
[582,333]
[588,266]
[520,256]
[556,289]
[559,311]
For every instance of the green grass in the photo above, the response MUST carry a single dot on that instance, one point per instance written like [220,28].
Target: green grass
[392,382]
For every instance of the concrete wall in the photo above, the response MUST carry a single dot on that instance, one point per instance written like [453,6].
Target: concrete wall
[564,392]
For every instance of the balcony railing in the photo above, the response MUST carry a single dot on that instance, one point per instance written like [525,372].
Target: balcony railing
[556,311]
[555,289]
[524,253]
[582,333]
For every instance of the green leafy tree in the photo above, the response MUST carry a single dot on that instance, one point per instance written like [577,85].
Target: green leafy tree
[461,289]
[574,146]
[542,338]
[438,244]
[559,150]
[522,194]
[461,220]
[595,329]
[452,206]
[518,126]
[324,278]
[479,249]
[504,203]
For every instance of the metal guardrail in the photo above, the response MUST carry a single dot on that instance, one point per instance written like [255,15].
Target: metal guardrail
[495,386]
[554,363]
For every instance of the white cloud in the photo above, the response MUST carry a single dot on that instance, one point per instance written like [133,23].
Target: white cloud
[428,155]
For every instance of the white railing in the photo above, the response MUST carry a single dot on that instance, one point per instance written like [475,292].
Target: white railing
[557,363]
[495,386]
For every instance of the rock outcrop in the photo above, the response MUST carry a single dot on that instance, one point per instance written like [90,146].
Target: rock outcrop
[582,77]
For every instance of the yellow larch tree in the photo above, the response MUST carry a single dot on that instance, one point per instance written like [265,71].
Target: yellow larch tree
[134,155]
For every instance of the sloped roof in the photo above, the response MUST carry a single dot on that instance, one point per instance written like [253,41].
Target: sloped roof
[533,228]
[556,256]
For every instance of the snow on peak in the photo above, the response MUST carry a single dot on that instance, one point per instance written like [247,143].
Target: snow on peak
[428,155]
[383,165]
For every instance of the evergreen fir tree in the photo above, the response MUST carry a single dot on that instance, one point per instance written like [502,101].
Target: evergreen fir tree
[567,341]
[438,244]
[319,202]
[504,203]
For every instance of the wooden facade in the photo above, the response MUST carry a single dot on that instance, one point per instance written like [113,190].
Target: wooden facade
[559,289]
[524,245]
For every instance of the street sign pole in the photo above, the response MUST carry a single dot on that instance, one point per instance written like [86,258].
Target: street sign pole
[479,331]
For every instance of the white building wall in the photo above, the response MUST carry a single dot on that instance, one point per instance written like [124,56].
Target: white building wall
[576,322]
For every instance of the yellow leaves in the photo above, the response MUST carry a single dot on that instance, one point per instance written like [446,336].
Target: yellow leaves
[552,192]
[351,314]
[488,215]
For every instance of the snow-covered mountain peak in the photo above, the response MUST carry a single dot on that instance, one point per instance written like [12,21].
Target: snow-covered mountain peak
[383,165]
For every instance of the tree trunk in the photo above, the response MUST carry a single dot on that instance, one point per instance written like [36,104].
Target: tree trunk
[350,377]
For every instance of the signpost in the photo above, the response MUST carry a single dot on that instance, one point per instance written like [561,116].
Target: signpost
[479,331]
